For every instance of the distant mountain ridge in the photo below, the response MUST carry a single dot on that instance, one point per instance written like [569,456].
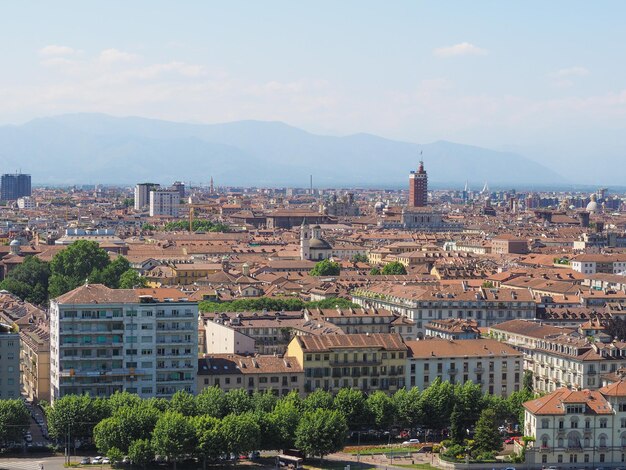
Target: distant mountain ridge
[97,148]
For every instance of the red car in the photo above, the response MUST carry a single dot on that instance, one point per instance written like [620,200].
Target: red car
[511,440]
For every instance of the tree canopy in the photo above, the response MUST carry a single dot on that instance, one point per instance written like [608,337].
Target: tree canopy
[326,267]
[29,280]
[394,268]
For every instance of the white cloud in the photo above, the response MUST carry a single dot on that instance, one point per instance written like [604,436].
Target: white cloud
[464,48]
[576,71]
[54,50]
[109,56]
[57,62]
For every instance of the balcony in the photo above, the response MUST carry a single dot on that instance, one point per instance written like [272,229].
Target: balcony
[479,370]
[358,362]
[592,372]
[544,449]
[453,371]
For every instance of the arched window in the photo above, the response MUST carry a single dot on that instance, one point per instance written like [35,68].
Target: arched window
[560,442]
[573,440]
[602,440]
[544,441]
[623,439]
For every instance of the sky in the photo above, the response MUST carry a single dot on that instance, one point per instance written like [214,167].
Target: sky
[544,79]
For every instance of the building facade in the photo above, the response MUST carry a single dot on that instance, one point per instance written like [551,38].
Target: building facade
[418,187]
[164,203]
[105,340]
[142,195]
[368,362]
[14,186]
[9,362]
[497,368]
[577,429]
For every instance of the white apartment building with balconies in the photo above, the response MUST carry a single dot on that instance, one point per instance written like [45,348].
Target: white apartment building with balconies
[142,341]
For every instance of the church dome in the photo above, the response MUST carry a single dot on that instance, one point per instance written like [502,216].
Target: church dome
[15,243]
[319,244]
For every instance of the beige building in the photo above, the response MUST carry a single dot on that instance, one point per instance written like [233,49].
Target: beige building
[35,362]
[280,375]
[496,367]
[577,429]
[368,362]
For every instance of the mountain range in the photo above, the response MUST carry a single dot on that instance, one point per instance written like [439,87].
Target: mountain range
[96,148]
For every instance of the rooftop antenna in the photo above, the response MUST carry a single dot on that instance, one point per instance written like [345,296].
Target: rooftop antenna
[311,184]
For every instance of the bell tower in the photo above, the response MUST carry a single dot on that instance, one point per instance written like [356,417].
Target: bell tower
[305,236]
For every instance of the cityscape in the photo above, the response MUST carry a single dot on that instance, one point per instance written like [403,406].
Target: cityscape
[190,280]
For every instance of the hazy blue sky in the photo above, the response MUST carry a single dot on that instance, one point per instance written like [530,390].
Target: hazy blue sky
[547,78]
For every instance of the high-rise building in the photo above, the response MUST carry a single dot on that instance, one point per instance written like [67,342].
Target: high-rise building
[180,187]
[142,195]
[418,187]
[14,186]
[105,340]
[10,365]
[164,202]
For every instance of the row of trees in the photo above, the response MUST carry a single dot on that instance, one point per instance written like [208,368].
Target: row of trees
[14,420]
[276,304]
[37,281]
[197,225]
[214,423]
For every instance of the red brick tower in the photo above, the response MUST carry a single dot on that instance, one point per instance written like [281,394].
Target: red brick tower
[418,187]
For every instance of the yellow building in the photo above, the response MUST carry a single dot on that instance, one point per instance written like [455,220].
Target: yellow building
[369,362]
[35,362]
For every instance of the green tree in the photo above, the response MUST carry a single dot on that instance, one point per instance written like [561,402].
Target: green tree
[110,275]
[350,402]
[127,424]
[375,271]
[516,402]
[264,401]
[115,455]
[359,258]
[241,433]
[487,285]
[209,438]
[436,403]
[184,403]
[70,267]
[458,431]
[238,401]
[212,402]
[319,399]
[325,268]
[469,399]
[394,268]
[382,409]
[29,281]
[285,417]
[131,279]
[321,432]
[140,452]
[76,416]
[407,405]
[527,381]
[174,436]
[14,420]
[487,436]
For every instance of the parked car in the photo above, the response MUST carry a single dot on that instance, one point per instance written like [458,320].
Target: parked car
[85,461]
[511,440]
[411,442]
[97,460]
[106,461]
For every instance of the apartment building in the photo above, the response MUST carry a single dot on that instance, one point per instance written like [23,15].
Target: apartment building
[496,367]
[562,357]
[35,361]
[577,429]
[453,328]
[9,362]
[142,341]
[164,202]
[142,195]
[423,303]
[368,362]
[259,332]
[280,375]
[599,263]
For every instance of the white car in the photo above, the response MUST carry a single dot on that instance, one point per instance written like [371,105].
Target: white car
[97,460]
[411,442]
[106,460]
